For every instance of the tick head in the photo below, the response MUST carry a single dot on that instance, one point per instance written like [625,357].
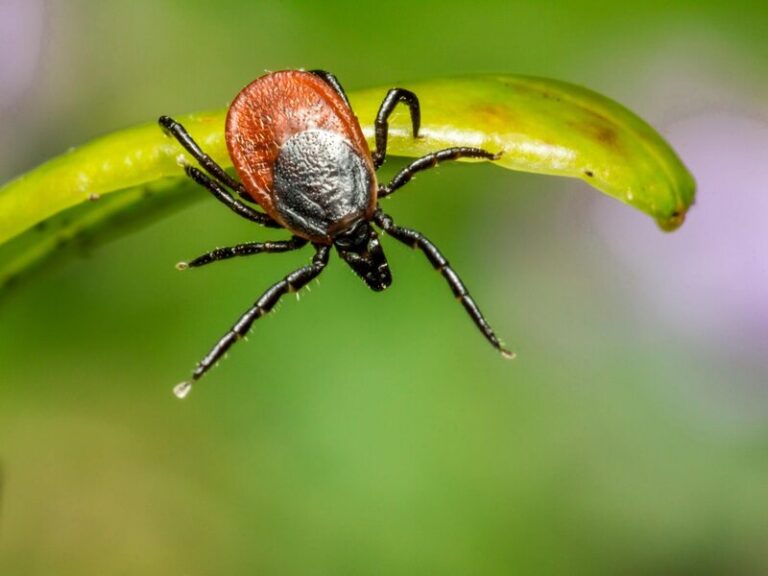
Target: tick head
[359,246]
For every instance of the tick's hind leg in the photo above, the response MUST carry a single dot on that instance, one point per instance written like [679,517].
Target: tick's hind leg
[246,249]
[223,196]
[294,282]
[209,164]
[416,239]
[333,82]
[393,97]
[430,161]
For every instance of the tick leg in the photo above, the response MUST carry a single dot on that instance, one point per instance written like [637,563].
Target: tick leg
[180,133]
[225,197]
[393,97]
[333,82]
[294,282]
[246,249]
[430,161]
[416,239]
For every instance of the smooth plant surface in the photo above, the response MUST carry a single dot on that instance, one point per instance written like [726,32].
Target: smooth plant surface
[539,125]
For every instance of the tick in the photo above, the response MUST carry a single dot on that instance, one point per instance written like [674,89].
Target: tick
[301,156]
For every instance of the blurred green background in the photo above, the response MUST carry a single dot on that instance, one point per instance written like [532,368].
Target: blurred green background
[362,433]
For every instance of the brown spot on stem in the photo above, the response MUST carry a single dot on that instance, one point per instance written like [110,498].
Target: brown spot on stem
[673,221]
[607,136]
[600,130]
[494,114]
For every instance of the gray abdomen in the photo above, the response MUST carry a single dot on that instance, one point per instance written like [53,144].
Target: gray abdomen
[321,183]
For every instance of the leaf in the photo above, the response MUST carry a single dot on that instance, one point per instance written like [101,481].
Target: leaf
[548,127]
[540,125]
[83,227]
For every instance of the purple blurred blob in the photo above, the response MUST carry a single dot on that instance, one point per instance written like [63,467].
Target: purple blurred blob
[708,280]
[21,33]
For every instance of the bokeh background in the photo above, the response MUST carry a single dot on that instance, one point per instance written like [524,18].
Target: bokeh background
[361,433]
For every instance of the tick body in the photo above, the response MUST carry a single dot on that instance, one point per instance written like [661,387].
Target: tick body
[299,151]
[301,156]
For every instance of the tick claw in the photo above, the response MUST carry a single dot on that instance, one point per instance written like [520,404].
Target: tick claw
[508,354]
[182,389]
